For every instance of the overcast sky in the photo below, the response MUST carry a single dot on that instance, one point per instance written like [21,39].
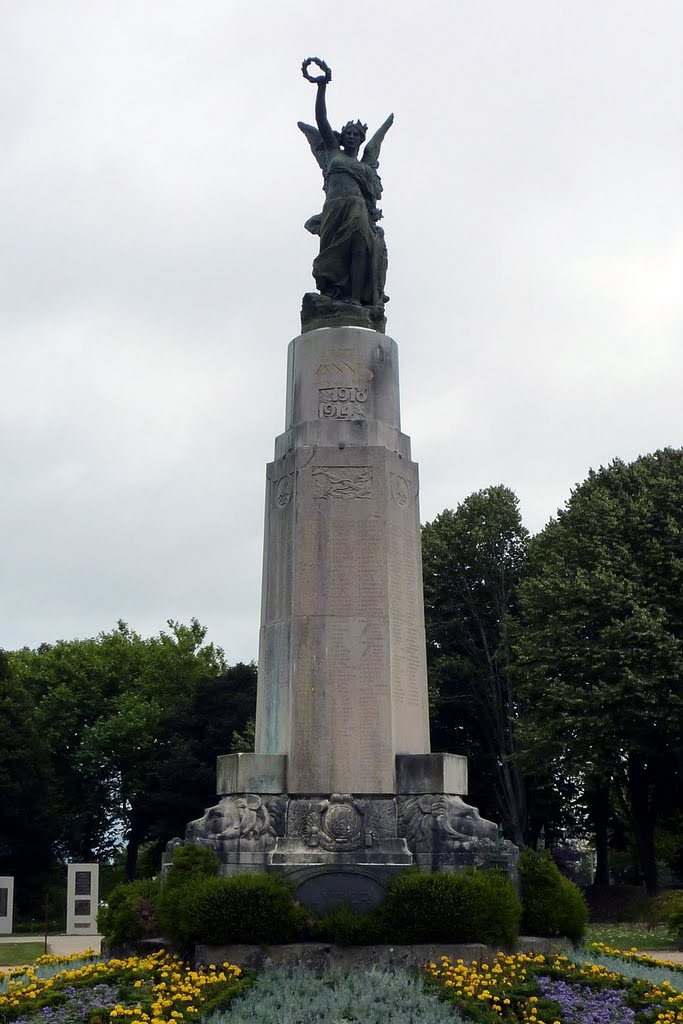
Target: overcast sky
[154,186]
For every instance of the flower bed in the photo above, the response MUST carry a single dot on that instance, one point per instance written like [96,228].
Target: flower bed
[518,989]
[556,990]
[156,989]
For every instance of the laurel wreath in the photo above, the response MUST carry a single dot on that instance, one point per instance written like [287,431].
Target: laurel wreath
[326,73]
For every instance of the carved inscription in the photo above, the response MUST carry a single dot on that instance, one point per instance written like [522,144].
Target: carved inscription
[353,581]
[344,367]
[342,403]
[4,894]
[356,653]
[342,481]
[83,883]
[282,491]
[408,664]
[82,908]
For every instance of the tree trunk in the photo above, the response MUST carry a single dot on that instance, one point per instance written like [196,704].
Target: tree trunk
[643,819]
[599,804]
[135,838]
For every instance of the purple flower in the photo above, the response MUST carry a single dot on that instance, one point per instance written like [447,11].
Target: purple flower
[79,1004]
[582,1005]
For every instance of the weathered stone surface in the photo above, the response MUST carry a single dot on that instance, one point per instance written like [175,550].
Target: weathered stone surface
[342,667]
[324,956]
[445,833]
[324,892]
[322,311]
[431,773]
[341,375]
[242,829]
[341,822]
[251,773]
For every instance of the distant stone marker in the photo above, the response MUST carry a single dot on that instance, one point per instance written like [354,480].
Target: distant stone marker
[342,792]
[6,904]
[82,889]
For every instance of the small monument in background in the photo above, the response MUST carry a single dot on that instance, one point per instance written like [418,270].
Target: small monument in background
[82,892]
[6,904]
[342,791]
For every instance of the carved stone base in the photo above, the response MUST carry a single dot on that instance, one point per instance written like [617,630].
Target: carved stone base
[345,849]
[322,311]
[446,834]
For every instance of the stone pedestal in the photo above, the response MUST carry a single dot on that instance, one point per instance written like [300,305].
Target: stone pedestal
[342,791]
[342,666]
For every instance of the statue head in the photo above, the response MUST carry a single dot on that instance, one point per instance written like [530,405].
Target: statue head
[352,135]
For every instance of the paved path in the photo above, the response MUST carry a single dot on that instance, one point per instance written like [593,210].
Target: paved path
[674,956]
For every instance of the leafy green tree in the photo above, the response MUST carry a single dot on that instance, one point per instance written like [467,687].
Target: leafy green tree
[473,558]
[133,727]
[599,640]
[182,779]
[25,814]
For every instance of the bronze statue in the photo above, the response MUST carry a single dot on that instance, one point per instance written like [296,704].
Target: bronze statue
[352,264]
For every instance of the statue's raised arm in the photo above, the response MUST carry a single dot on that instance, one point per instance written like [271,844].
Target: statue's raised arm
[329,139]
[351,265]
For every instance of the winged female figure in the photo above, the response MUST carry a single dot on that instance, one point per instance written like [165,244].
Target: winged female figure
[352,263]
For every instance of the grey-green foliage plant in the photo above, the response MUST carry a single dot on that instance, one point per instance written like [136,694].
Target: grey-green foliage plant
[376,997]
[631,969]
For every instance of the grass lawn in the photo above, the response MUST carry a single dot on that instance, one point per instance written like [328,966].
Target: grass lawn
[626,936]
[20,952]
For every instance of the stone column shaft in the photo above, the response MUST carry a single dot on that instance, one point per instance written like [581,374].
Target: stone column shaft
[342,664]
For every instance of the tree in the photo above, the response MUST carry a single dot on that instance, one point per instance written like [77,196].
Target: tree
[473,559]
[182,780]
[126,722]
[25,814]
[599,641]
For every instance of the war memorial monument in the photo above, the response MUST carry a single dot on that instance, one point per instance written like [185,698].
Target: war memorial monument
[342,791]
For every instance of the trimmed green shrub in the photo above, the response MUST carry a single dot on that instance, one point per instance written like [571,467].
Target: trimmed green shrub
[345,927]
[674,920]
[463,906]
[131,912]
[255,908]
[552,904]
[192,864]
[191,861]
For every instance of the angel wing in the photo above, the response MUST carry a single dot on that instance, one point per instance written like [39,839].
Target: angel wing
[315,141]
[372,148]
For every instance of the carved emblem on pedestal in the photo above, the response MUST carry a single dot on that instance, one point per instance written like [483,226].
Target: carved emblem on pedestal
[282,491]
[337,824]
[400,490]
[342,481]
